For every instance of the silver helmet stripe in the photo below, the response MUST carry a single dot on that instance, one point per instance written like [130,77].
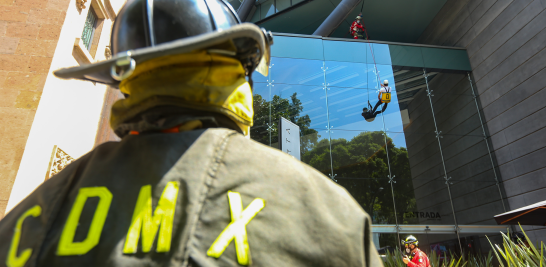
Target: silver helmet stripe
[150,15]
[217,14]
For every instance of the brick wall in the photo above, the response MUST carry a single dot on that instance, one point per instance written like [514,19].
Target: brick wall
[29,31]
[506,43]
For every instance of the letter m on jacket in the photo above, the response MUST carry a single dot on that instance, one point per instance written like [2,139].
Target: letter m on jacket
[148,224]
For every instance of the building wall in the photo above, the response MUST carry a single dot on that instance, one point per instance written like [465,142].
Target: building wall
[506,41]
[29,31]
[52,113]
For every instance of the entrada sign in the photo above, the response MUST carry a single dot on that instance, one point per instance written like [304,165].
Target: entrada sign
[431,215]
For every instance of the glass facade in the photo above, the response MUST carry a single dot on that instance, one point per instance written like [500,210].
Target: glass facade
[420,165]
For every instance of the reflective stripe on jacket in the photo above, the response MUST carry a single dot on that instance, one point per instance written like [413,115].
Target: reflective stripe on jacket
[419,260]
[197,198]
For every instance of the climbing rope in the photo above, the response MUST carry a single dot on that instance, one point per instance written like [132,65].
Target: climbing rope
[370,46]
[373,56]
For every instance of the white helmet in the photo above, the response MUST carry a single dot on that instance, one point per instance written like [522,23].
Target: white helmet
[386,82]
[358,17]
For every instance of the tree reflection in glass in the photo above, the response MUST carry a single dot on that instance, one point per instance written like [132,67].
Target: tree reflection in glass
[360,163]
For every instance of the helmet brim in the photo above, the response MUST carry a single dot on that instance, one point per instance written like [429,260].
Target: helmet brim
[100,72]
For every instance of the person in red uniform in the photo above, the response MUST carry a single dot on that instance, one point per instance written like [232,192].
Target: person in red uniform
[356,27]
[419,259]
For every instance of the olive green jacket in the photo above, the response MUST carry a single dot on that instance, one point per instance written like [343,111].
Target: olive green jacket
[162,200]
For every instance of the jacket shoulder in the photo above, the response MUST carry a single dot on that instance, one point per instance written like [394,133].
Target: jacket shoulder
[281,167]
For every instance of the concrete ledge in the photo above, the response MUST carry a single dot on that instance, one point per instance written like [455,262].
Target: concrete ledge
[438,229]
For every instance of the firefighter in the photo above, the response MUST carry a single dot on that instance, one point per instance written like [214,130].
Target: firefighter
[185,186]
[356,27]
[384,97]
[417,258]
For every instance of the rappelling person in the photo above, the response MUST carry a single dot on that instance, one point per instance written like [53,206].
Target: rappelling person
[384,97]
[185,186]
[416,257]
[357,28]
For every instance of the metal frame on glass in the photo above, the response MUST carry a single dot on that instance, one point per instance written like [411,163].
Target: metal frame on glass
[399,227]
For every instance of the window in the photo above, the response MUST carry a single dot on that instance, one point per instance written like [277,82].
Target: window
[89,28]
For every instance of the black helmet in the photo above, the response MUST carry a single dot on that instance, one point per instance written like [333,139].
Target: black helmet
[146,29]
[411,240]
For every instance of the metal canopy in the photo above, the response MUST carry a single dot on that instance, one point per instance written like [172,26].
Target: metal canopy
[529,215]
[438,229]
[386,20]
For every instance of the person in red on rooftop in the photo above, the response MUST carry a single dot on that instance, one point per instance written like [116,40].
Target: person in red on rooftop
[356,27]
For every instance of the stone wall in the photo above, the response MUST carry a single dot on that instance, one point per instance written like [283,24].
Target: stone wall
[29,31]
[506,41]
[45,113]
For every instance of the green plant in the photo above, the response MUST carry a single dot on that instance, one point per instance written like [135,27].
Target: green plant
[395,260]
[519,254]
[478,261]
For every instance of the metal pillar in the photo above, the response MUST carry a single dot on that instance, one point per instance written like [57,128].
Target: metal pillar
[328,127]
[270,85]
[486,143]
[244,9]
[336,17]
[430,95]
[391,177]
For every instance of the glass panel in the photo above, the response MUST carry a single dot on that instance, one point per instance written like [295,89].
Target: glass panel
[410,102]
[282,4]
[451,59]
[476,244]
[358,153]
[345,51]
[379,54]
[348,75]
[267,9]
[420,191]
[262,106]
[298,95]
[259,78]
[297,71]
[410,56]
[454,105]
[385,73]
[421,195]
[476,197]
[442,245]
[304,106]
[295,47]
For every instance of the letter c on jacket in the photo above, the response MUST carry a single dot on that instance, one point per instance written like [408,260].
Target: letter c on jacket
[13,260]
